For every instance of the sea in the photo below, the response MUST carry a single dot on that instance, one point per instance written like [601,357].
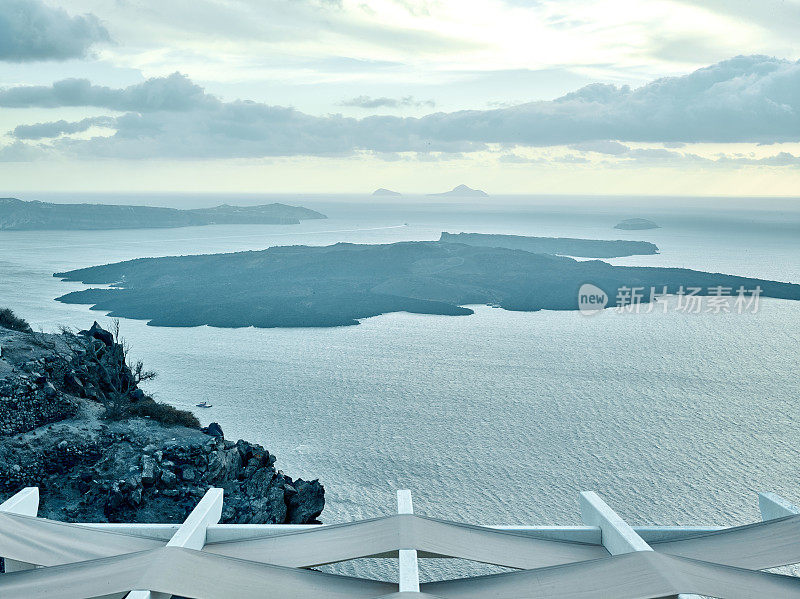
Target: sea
[495,418]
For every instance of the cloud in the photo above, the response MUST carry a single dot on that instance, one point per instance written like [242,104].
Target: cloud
[57,128]
[779,159]
[31,30]
[369,102]
[745,99]
[601,147]
[21,152]
[175,92]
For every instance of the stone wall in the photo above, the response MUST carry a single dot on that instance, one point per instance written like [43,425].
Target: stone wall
[27,403]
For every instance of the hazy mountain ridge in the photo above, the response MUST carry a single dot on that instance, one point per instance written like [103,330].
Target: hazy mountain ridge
[19,215]
[300,286]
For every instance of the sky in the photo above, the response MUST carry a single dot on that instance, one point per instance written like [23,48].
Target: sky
[661,97]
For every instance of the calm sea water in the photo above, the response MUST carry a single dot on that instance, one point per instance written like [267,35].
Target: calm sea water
[499,417]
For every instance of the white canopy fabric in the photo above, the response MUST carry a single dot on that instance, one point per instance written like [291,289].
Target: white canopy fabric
[200,575]
[637,575]
[188,573]
[51,543]
[757,546]
[83,562]
[428,535]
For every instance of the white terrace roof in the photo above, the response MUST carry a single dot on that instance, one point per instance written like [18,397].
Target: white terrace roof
[604,559]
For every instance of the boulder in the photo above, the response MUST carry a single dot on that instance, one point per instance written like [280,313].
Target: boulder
[307,503]
[148,470]
[99,333]
[214,429]
[169,479]
[188,474]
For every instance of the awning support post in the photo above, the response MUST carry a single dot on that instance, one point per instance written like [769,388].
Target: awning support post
[407,558]
[191,534]
[24,503]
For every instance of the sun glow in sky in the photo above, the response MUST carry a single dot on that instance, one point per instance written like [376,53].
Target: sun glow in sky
[514,96]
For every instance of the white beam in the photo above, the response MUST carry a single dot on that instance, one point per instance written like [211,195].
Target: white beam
[25,503]
[191,534]
[407,558]
[616,535]
[774,506]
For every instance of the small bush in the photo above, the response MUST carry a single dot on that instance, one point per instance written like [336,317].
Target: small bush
[11,321]
[163,413]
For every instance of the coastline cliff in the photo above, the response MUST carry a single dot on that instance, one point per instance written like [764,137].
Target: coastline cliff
[74,422]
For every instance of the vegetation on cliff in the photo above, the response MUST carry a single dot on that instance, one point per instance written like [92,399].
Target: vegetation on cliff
[9,320]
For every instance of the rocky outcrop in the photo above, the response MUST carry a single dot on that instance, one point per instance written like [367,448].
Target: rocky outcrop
[56,393]
[139,471]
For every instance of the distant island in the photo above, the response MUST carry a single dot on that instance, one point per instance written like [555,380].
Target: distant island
[386,192]
[636,224]
[462,191]
[302,286]
[19,215]
[564,246]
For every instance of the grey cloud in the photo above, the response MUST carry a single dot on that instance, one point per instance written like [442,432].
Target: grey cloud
[30,30]
[779,159]
[369,102]
[613,148]
[21,152]
[745,99]
[54,129]
[175,92]
[661,157]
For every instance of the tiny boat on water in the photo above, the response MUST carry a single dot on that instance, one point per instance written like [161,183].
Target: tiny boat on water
[203,404]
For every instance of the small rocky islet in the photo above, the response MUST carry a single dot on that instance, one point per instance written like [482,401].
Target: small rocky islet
[74,422]
[636,224]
